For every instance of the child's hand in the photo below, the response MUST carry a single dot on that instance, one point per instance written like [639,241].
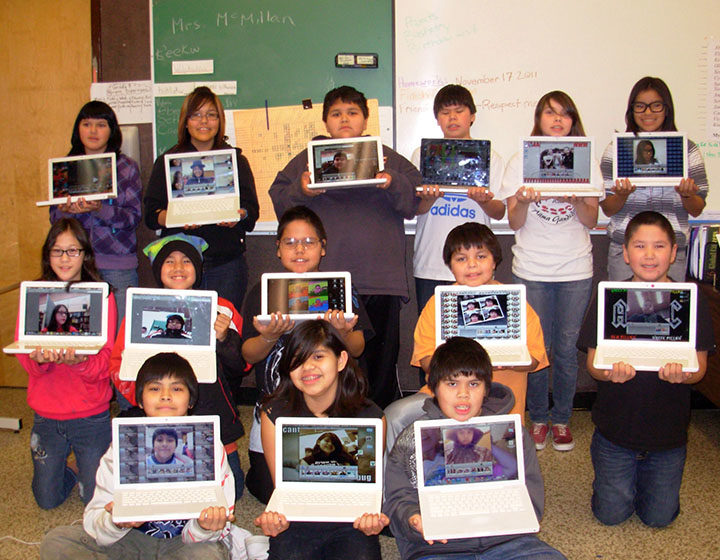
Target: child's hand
[272,523]
[481,195]
[68,357]
[371,523]
[388,179]
[83,206]
[430,192]
[214,518]
[673,373]
[188,227]
[304,182]
[620,372]
[526,195]
[415,522]
[687,188]
[337,319]
[221,326]
[623,187]
[227,224]
[279,324]
[122,524]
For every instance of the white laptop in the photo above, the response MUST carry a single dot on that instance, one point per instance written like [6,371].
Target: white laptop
[495,315]
[455,164]
[650,159]
[647,325]
[202,188]
[305,296]
[342,163]
[471,479]
[55,316]
[92,177]
[560,166]
[167,467]
[159,320]
[327,469]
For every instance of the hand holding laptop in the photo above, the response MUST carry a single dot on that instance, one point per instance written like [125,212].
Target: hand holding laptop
[80,206]
[65,356]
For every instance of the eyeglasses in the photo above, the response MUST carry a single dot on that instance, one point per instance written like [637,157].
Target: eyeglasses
[291,242]
[210,115]
[61,312]
[72,252]
[655,107]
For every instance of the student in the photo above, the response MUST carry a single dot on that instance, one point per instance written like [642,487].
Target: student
[177,265]
[366,233]
[460,377]
[650,109]
[454,111]
[552,257]
[329,449]
[69,393]
[472,253]
[318,378]
[59,321]
[641,417]
[201,128]
[164,443]
[111,223]
[645,153]
[465,448]
[174,326]
[301,242]
[166,386]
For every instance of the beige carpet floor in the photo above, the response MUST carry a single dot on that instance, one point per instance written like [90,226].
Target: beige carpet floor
[568,523]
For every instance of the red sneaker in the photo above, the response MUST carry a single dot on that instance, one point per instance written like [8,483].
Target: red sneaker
[562,438]
[539,434]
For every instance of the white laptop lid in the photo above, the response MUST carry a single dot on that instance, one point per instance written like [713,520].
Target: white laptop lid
[92,177]
[650,158]
[455,163]
[484,453]
[345,162]
[357,467]
[197,177]
[559,165]
[305,296]
[87,308]
[492,314]
[195,462]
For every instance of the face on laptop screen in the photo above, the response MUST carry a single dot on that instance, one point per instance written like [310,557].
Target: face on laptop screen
[55,311]
[636,314]
[345,161]
[481,315]
[328,454]
[456,162]
[650,157]
[81,177]
[305,295]
[160,319]
[472,452]
[166,453]
[556,162]
[193,175]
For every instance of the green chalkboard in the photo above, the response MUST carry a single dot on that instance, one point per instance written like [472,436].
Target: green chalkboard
[278,51]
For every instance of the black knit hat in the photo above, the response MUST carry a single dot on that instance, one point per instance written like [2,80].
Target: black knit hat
[190,245]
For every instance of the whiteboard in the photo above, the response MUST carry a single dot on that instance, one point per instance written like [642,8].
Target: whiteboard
[508,54]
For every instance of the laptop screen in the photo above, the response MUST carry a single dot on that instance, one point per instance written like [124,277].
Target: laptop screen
[151,453]
[455,162]
[349,160]
[315,453]
[200,174]
[170,319]
[642,314]
[82,176]
[481,315]
[650,157]
[305,295]
[57,311]
[469,453]
[565,162]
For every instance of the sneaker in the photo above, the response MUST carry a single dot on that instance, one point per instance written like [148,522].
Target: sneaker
[562,438]
[539,434]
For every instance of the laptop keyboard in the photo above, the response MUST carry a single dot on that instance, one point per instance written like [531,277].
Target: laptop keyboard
[454,504]
[653,355]
[204,205]
[329,498]
[163,497]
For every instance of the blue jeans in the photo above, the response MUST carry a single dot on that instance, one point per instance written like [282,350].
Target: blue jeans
[523,547]
[50,444]
[561,307]
[238,474]
[228,279]
[644,482]
[425,288]
[120,280]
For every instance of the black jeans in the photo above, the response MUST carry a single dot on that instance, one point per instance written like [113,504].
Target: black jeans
[323,541]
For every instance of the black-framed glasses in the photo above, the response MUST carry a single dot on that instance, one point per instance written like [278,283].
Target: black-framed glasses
[292,242]
[72,252]
[210,115]
[655,107]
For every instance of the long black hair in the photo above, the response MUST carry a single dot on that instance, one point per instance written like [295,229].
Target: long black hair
[96,110]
